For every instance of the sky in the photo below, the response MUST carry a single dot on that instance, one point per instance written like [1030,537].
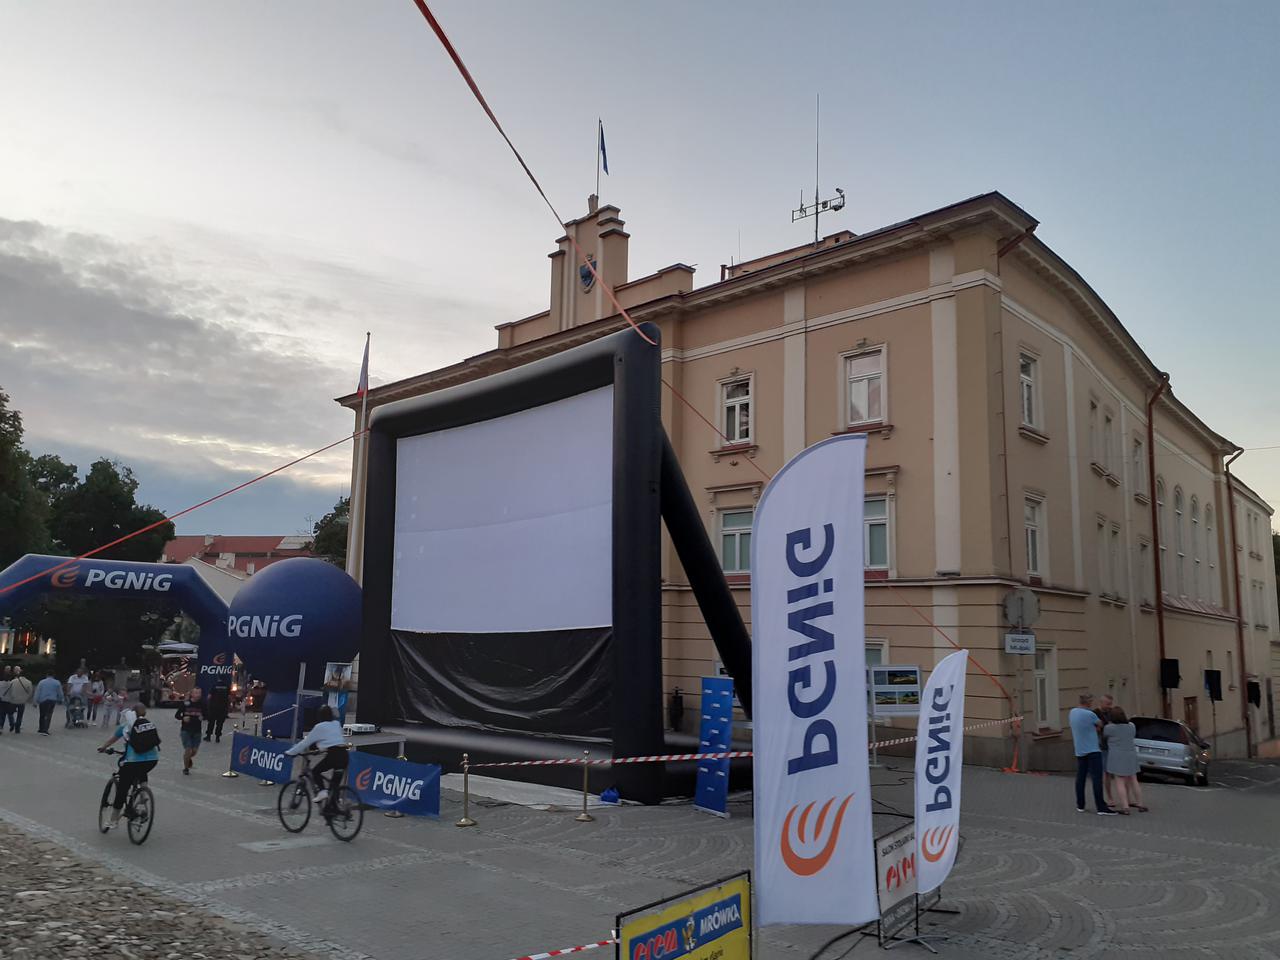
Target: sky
[203,208]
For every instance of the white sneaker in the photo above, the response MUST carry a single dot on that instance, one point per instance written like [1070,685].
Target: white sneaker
[322,796]
[115,818]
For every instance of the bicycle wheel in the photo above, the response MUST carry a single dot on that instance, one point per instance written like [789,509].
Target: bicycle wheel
[346,816]
[142,814]
[294,805]
[104,811]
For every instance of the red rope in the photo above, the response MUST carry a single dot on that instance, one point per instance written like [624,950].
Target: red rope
[181,513]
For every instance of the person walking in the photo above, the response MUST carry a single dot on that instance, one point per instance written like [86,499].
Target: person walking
[1122,761]
[48,695]
[1084,735]
[5,679]
[113,702]
[191,713]
[97,690]
[77,689]
[216,708]
[19,695]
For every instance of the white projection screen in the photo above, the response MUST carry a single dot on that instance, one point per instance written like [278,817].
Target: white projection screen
[505,525]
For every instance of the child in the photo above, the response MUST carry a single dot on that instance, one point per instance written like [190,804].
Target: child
[111,702]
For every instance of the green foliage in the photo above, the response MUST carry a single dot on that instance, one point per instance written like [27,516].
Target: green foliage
[23,509]
[102,508]
[330,541]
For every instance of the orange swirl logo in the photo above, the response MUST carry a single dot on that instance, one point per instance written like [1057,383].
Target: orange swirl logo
[65,578]
[807,866]
[363,778]
[934,842]
[244,755]
[220,658]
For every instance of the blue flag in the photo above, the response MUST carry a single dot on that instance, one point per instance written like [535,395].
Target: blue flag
[604,154]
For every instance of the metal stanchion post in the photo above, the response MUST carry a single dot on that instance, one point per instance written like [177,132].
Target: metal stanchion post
[396,814]
[466,820]
[584,817]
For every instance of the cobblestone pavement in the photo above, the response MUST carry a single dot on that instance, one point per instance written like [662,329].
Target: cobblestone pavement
[64,906]
[1199,876]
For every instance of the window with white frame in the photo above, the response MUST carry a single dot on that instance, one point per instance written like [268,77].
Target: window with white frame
[1094,440]
[735,401]
[1109,442]
[1146,575]
[1032,520]
[1028,369]
[1113,561]
[1196,548]
[1162,523]
[1046,687]
[1100,548]
[864,387]
[1179,542]
[875,533]
[1259,604]
[1211,537]
[735,540]
[877,652]
[1139,467]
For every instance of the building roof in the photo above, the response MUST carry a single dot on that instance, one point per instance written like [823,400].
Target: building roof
[260,551]
[1014,226]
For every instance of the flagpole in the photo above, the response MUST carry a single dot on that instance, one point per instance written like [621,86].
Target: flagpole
[599,131]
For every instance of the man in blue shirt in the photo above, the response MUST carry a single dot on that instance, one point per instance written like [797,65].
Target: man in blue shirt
[139,759]
[48,693]
[1084,733]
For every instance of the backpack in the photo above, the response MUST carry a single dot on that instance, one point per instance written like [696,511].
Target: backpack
[144,737]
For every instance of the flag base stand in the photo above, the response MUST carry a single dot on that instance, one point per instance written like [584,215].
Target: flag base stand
[393,814]
[231,773]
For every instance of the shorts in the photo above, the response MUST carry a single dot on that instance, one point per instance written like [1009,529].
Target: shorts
[190,739]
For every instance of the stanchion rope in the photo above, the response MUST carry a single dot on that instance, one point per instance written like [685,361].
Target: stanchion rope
[567,950]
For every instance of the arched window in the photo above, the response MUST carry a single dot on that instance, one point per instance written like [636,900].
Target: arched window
[1197,549]
[1180,542]
[1162,521]
[1211,538]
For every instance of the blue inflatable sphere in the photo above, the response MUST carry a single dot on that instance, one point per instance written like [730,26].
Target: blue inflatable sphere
[299,610]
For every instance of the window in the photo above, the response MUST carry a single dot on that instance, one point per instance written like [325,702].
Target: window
[1179,542]
[1259,603]
[877,652]
[1195,548]
[1027,369]
[1108,442]
[1046,688]
[1104,573]
[735,399]
[1145,574]
[1139,467]
[1208,659]
[865,387]
[1117,574]
[1212,538]
[875,533]
[1162,521]
[1230,671]
[735,540]
[1094,453]
[1032,510]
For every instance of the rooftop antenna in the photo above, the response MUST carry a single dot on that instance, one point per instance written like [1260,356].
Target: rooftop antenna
[818,206]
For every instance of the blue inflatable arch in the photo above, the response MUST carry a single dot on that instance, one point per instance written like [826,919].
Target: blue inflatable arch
[121,578]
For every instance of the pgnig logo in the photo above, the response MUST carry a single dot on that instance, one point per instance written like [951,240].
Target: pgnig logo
[244,755]
[364,778]
[825,841]
[934,842]
[64,578]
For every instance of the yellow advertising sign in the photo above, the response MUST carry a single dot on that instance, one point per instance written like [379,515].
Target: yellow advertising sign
[711,923]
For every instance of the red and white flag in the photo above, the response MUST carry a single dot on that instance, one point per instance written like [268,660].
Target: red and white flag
[363,386]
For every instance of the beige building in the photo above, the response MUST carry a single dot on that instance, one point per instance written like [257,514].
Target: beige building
[1006,409]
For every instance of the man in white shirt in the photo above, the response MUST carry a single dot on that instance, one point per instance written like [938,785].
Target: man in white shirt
[78,686]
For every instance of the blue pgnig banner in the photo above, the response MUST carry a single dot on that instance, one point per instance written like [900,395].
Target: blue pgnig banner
[410,788]
[261,757]
[715,736]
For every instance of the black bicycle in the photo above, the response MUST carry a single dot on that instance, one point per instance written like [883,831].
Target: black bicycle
[342,809]
[139,806]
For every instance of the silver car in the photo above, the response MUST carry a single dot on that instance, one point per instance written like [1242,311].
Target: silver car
[1172,748]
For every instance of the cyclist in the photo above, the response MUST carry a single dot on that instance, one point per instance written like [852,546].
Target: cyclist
[142,752]
[325,736]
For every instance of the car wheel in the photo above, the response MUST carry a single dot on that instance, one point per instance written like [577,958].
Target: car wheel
[1203,779]
[1191,779]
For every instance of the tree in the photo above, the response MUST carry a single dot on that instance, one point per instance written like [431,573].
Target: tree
[103,508]
[330,541]
[23,508]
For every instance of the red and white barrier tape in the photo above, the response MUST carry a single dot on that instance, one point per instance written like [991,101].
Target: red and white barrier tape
[671,757]
[568,950]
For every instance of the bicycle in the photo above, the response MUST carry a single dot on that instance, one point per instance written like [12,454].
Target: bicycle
[139,806]
[342,810]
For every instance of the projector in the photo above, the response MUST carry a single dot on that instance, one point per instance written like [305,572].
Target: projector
[350,728]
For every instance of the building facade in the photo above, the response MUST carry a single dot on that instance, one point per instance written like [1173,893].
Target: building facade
[1009,446]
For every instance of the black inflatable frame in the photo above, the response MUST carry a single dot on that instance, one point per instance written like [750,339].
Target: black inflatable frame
[647,487]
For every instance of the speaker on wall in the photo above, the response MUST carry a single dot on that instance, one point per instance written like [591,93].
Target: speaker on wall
[1213,684]
[1169,675]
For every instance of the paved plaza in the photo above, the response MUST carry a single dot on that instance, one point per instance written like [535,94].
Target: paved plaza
[1198,876]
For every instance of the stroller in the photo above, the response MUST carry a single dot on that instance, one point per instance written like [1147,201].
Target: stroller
[76,712]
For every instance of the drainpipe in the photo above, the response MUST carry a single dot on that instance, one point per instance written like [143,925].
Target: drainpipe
[1235,576]
[1155,526]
